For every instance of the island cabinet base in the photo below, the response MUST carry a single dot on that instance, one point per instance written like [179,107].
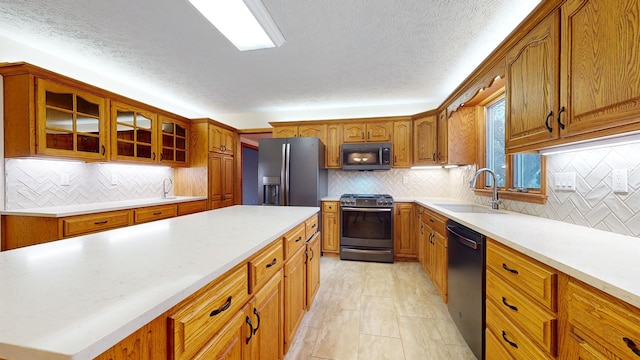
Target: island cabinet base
[245,313]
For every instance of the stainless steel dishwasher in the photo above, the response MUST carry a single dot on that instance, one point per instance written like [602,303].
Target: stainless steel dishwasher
[467,284]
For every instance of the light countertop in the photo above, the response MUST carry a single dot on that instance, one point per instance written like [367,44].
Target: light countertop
[75,298]
[82,209]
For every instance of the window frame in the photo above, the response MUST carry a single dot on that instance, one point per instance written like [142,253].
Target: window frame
[508,192]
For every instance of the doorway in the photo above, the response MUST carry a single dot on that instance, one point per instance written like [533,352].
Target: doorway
[249,175]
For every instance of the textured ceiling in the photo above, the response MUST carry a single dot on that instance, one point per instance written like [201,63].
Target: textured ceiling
[340,59]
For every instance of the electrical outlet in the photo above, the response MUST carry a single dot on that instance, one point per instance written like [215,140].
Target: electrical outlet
[619,181]
[405,179]
[64,179]
[114,179]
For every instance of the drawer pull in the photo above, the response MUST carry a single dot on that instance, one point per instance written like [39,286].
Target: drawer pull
[631,345]
[313,226]
[312,254]
[255,311]
[513,271]
[223,308]
[298,239]
[101,222]
[546,121]
[272,263]
[504,301]
[504,336]
[250,329]
[157,213]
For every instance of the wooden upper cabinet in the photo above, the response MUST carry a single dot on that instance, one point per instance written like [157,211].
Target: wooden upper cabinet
[378,131]
[600,68]
[315,130]
[333,146]
[402,143]
[133,133]
[443,141]
[285,131]
[174,141]
[462,134]
[424,141]
[220,140]
[532,86]
[47,118]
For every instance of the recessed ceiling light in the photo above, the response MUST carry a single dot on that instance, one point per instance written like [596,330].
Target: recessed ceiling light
[245,23]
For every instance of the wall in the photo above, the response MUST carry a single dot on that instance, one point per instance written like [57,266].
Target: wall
[32,183]
[419,183]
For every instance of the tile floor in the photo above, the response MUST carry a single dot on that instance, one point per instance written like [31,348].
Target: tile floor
[377,311]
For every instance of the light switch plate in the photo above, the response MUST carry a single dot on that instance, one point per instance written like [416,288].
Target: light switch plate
[565,181]
[619,183]
[114,179]
[64,179]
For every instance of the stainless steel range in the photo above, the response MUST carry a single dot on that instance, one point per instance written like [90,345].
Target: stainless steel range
[366,227]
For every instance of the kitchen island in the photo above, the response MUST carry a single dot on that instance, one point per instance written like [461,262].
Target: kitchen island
[75,298]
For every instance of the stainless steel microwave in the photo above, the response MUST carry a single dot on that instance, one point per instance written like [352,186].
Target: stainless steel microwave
[366,156]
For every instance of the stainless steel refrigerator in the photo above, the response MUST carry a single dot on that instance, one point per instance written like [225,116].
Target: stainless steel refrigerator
[291,172]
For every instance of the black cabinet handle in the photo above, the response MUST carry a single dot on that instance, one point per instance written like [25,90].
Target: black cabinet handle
[513,271]
[313,226]
[101,222]
[546,121]
[255,311]
[504,336]
[272,263]
[560,122]
[154,155]
[631,345]
[223,308]
[312,254]
[161,156]
[298,239]
[504,301]
[104,150]
[434,156]
[248,321]
[157,213]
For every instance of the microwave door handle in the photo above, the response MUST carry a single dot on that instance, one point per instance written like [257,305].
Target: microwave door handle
[380,161]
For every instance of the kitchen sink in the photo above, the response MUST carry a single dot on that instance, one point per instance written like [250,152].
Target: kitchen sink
[469,208]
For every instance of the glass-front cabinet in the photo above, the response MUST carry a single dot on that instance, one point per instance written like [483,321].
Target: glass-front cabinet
[70,122]
[133,133]
[174,141]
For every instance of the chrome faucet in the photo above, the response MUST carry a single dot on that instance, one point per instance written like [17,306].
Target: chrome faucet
[472,184]
[164,187]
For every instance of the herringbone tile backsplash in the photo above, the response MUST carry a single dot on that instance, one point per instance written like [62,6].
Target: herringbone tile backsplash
[33,183]
[593,204]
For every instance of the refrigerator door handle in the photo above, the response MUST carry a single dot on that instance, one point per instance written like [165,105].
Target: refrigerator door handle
[288,173]
[283,169]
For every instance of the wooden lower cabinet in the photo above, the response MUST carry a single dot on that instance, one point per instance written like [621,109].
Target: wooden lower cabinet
[313,268]
[330,227]
[405,246]
[221,180]
[149,342]
[267,316]
[295,294]
[154,213]
[433,248]
[233,341]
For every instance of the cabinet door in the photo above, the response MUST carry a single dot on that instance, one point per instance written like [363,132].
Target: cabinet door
[295,293]
[443,140]
[220,180]
[330,228]
[133,134]
[404,245]
[147,343]
[333,146]
[379,131]
[532,86]
[319,131]
[440,264]
[174,135]
[220,140]
[424,141]
[285,131]
[354,133]
[70,122]
[313,269]
[462,133]
[268,320]
[402,143]
[233,342]
[600,69]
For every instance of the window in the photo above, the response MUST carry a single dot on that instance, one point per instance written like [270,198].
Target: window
[519,176]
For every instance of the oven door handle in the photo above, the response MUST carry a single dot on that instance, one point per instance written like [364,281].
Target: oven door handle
[366,209]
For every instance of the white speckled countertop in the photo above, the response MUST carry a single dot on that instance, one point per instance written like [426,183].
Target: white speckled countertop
[75,298]
[81,209]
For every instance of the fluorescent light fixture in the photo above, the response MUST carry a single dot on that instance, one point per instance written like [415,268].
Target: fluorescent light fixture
[625,139]
[450,166]
[426,167]
[246,23]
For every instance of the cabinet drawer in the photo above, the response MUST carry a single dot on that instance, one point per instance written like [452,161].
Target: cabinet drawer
[493,347]
[539,324]
[85,224]
[263,266]
[203,314]
[436,222]
[514,341]
[153,213]
[329,206]
[294,240]
[192,207]
[528,275]
[311,226]
[608,320]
